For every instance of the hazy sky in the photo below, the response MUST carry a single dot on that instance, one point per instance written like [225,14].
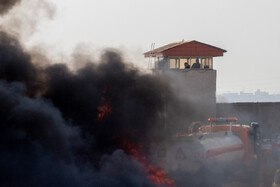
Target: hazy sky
[248,29]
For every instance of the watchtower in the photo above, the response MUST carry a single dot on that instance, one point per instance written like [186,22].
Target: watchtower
[189,66]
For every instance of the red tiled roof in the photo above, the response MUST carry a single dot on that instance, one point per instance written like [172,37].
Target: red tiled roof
[159,51]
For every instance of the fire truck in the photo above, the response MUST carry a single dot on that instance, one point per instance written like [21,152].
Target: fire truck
[222,143]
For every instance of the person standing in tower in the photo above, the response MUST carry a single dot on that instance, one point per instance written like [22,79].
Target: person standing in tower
[196,64]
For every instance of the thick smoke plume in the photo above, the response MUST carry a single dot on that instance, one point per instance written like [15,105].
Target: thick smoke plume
[57,125]
[6,5]
[27,19]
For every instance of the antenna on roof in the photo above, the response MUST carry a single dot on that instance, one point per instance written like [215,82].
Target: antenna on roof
[151,55]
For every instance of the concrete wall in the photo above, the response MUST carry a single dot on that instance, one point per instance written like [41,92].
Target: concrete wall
[267,114]
[197,88]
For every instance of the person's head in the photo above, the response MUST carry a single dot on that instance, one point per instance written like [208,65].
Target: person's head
[186,64]
[197,60]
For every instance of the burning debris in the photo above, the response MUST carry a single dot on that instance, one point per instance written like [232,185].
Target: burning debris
[155,173]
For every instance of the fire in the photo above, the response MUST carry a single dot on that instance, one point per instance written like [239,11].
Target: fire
[155,173]
[104,110]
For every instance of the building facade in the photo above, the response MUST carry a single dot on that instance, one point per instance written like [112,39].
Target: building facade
[189,67]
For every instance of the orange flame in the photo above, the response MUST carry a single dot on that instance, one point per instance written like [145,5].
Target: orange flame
[155,173]
[104,110]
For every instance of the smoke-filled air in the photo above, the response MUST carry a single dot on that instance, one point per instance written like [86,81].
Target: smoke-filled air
[85,127]
[6,5]
[89,126]
[98,120]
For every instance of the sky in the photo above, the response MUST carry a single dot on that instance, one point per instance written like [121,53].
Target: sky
[247,29]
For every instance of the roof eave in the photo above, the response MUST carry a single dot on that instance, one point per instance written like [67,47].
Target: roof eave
[147,55]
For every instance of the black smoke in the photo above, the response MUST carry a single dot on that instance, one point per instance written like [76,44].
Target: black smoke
[16,65]
[6,5]
[53,132]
